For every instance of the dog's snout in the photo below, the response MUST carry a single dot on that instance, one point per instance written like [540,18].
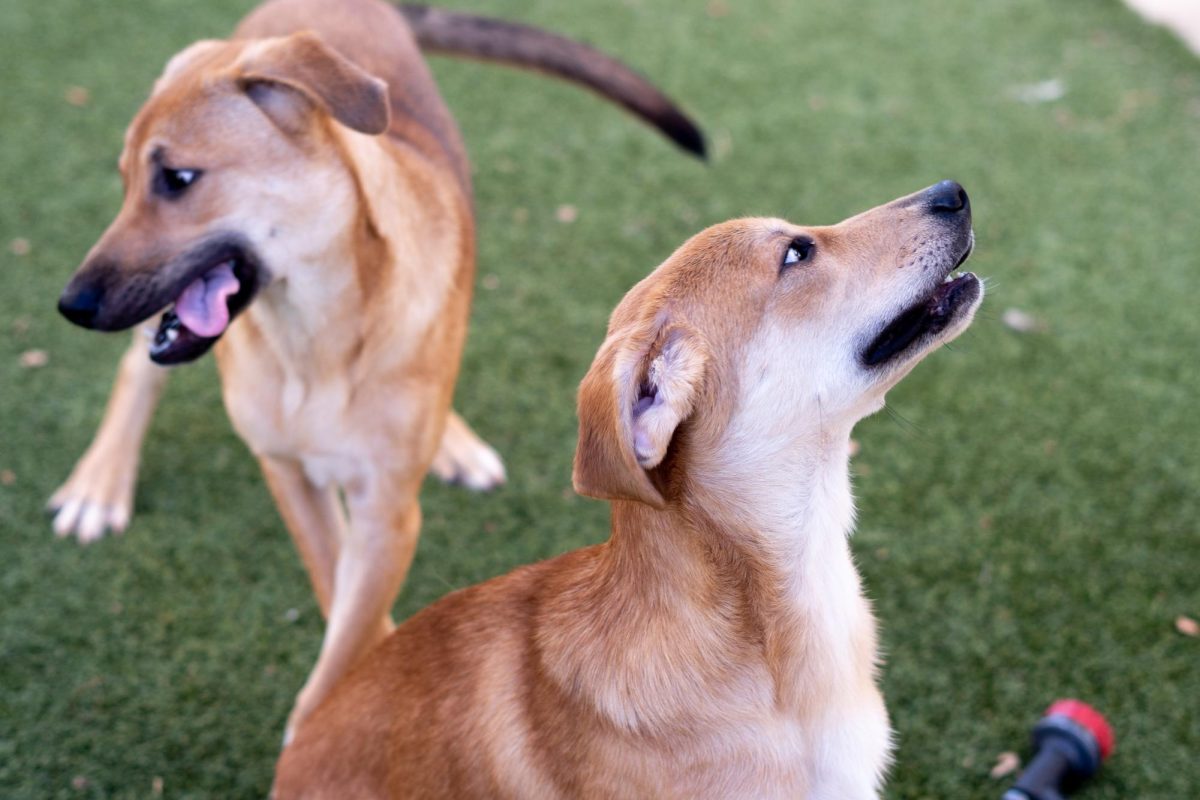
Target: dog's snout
[948,197]
[81,304]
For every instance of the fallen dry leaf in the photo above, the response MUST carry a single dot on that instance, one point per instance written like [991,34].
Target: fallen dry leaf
[490,281]
[78,96]
[1065,119]
[520,215]
[1006,764]
[156,786]
[566,213]
[7,477]
[34,358]
[1022,321]
[1187,626]
[19,247]
[855,447]
[79,783]
[718,8]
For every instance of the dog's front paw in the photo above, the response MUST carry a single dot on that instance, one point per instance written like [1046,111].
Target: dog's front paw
[97,498]
[465,459]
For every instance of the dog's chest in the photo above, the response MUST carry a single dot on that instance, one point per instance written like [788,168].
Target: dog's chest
[314,423]
[839,757]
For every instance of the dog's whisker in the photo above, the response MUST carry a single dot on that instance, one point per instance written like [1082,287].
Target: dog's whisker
[905,422]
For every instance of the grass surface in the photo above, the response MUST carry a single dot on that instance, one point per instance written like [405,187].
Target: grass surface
[1027,512]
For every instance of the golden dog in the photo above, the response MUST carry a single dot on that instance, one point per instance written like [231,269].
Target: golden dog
[309,165]
[719,644]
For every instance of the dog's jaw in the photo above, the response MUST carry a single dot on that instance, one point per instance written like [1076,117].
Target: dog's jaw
[206,305]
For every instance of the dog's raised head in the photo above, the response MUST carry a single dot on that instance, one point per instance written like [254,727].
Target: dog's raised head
[227,180]
[757,334]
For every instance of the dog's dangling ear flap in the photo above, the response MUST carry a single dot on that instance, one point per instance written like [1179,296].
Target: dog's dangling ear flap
[637,392]
[289,76]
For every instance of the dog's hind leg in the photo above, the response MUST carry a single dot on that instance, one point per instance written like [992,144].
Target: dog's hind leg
[463,458]
[315,518]
[375,555]
[98,496]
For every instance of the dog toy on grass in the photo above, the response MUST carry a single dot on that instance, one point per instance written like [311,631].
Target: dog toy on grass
[1069,743]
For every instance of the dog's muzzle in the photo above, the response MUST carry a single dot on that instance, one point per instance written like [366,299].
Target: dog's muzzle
[203,289]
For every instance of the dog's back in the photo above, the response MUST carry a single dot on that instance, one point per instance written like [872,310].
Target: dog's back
[462,665]
[387,41]
[374,36]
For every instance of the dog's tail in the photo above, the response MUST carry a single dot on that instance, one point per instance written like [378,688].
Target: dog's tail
[452,33]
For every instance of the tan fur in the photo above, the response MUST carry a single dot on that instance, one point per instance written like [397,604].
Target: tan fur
[718,645]
[325,145]
[339,375]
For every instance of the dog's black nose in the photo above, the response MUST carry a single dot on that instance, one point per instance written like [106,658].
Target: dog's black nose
[948,197]
[80,305]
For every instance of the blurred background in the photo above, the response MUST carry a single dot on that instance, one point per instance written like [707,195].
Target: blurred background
[1028,503]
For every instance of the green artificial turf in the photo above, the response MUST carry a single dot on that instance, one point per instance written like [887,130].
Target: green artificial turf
[1027,509]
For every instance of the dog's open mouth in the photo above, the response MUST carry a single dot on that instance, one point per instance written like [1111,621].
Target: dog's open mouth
[203,311]
[926,318]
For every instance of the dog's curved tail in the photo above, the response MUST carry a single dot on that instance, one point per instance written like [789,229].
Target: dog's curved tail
[453,33]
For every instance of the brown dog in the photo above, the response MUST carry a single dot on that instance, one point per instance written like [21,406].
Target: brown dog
[308,164]
[718,645]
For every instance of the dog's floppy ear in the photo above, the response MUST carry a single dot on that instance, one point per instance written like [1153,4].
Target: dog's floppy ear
[289,76]
[642,384]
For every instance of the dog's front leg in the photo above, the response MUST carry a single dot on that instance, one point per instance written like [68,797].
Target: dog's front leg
[315,519]
[856,746]
[98,496]
[372,562]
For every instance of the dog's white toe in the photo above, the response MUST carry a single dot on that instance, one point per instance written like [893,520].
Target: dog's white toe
[466,460]
[88,509]
[485,470]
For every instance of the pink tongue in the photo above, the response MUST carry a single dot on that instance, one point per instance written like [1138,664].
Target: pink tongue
[201,307]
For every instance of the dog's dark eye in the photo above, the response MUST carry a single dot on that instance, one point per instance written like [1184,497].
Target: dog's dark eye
[800,249]
[171,183]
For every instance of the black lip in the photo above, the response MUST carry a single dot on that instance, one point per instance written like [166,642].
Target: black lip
[174,344]
[966,254]
[113,295]
[923,320]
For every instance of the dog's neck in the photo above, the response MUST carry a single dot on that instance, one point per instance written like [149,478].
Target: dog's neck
[749,584]
[366,261]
